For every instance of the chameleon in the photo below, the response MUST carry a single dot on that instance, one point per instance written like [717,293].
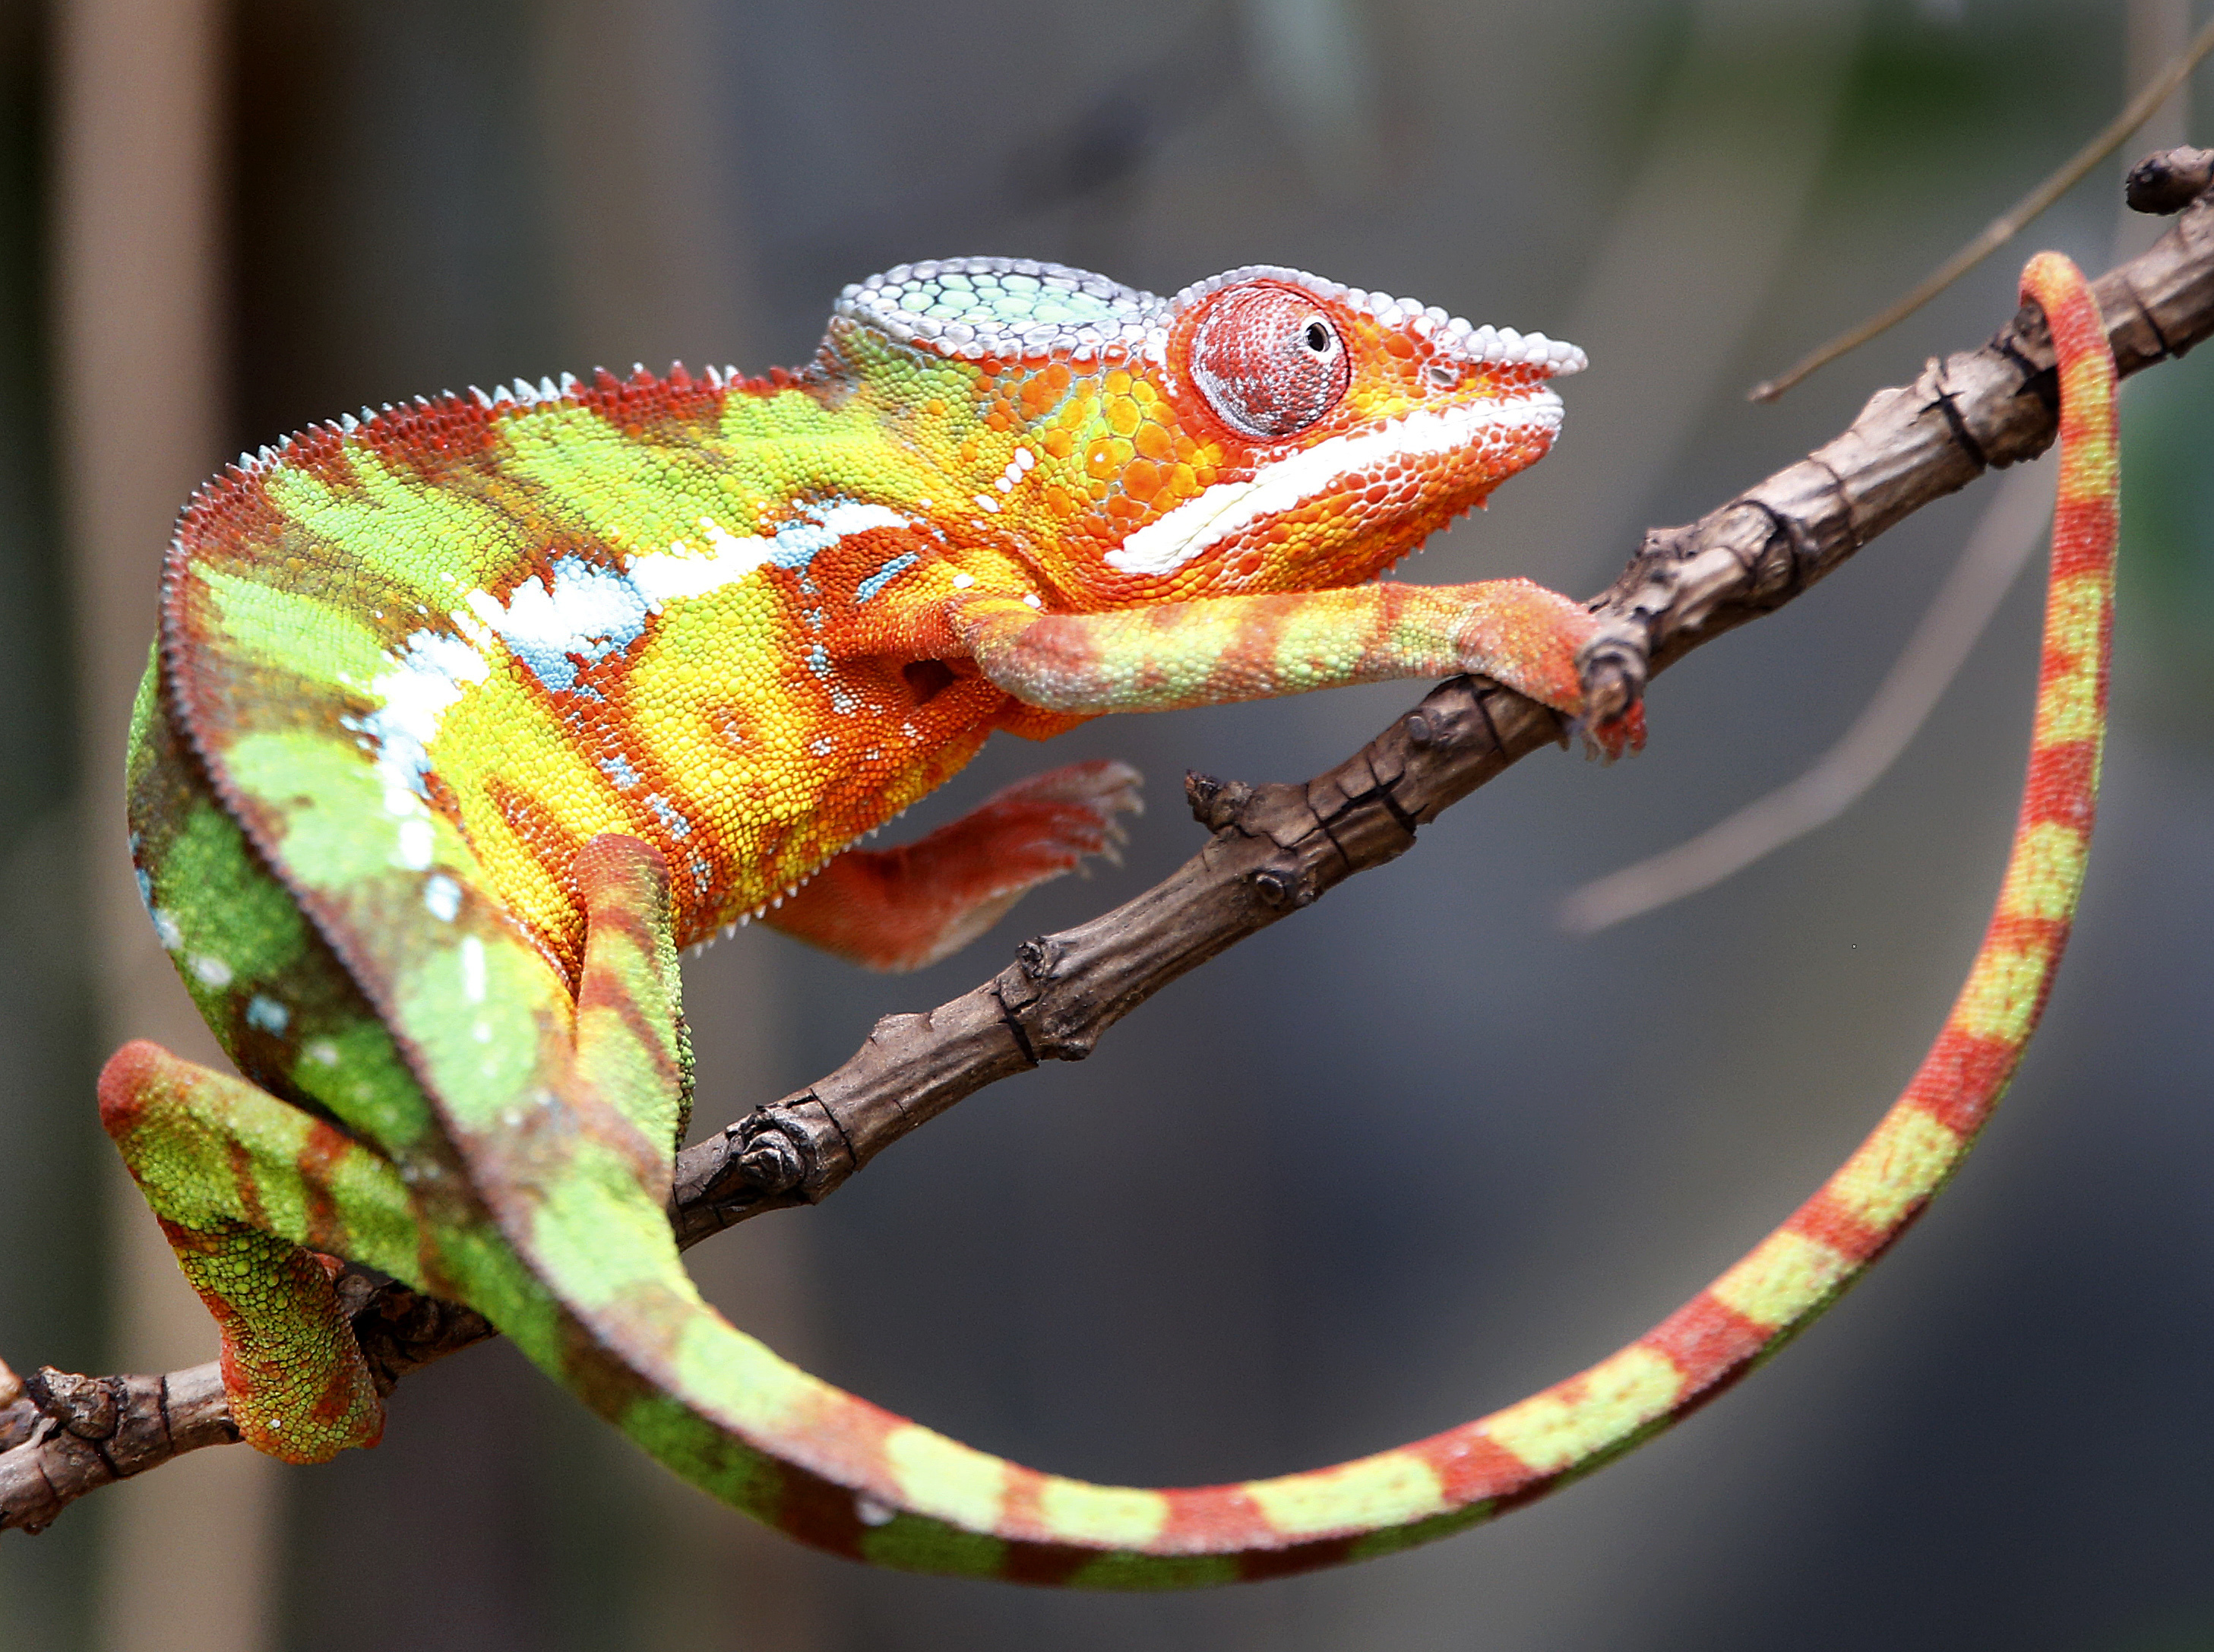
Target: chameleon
[465,717]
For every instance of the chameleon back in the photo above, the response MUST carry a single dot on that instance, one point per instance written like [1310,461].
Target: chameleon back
[710,614]
[450,613]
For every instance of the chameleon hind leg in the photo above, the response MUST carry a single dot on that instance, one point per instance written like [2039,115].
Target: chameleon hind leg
[257,1196]
[634,1053]
[260,1198]
[901,907]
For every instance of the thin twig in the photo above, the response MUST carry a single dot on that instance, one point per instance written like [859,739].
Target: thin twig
[1999,548]
[2003,228]
[2012,526]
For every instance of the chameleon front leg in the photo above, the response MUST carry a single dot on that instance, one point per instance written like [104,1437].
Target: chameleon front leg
[256,1196]
[1219,649]
[903,908]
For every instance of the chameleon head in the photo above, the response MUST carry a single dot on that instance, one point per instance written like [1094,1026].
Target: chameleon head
[1265,429]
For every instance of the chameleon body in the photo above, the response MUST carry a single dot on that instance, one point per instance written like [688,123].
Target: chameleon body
[465,717]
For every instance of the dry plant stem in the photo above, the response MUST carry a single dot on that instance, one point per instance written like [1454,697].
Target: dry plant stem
[2009,224]
[1275,849]
[2013,525]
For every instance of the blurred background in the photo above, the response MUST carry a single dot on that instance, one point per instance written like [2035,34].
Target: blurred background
[220,219]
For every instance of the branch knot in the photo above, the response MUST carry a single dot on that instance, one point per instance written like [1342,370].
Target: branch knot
[87,1406]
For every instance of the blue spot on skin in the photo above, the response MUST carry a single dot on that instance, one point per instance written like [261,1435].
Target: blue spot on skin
[798,545]
[671,816]
[823,525]
[267,1013]
[883,575]
[819,660]
[617,769]
[441,898]
[589,614]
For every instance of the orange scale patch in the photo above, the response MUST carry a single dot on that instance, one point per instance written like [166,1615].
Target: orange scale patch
[1107,457]
[680,417]
[2059,788]
[2080,542]
[1960,1079]
[1209,1520]
[1826,1221]
[1472,1467]
[321,454]
[234,521]
[319,1155]
[1021,1518]
[1707,1341]
[426,442]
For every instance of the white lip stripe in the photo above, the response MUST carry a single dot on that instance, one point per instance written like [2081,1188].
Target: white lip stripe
[1229,508]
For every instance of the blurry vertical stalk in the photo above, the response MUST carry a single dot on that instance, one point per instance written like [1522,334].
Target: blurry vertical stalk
[2011,527]
[1310,60]
[138,275]
[1694,250]
[2159,32]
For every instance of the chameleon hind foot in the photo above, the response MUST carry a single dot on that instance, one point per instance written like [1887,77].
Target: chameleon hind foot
[900,909]
[220,1161]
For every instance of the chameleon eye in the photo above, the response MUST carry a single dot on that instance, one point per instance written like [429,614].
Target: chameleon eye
[1268,362]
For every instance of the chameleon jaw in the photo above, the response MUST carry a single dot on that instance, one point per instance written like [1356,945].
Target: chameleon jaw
[1229,509]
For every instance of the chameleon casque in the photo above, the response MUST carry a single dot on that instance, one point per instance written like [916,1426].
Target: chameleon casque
[465,717]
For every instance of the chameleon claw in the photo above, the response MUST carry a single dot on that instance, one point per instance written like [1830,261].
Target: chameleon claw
[1617,736]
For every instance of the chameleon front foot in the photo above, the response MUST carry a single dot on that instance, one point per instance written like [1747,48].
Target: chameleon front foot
[903,908]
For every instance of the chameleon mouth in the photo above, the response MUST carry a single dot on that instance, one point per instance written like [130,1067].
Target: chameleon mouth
[1228,509]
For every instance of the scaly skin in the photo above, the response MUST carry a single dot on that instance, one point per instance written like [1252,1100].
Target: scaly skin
[425,804]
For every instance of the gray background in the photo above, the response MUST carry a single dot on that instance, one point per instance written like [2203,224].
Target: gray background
[1175,1262]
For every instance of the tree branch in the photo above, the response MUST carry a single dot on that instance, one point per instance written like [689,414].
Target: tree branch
[1275,848]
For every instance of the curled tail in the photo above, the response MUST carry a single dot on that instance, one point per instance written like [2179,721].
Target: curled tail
[542,1202]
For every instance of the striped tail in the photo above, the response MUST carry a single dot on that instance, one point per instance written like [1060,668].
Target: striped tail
[879,1488]
[1469,1474]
